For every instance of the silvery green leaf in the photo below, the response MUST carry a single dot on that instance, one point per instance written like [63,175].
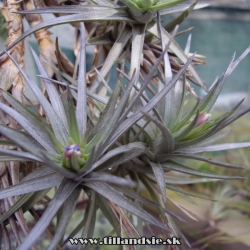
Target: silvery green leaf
[73,9]
[117,155]
[203,136]
[138,34]
[179,52]
[184,193]
[208,102]
[63,192]
[73,126]
[89,219]
[36,197]
[230,120]
[52,92]
[105,128]
[67,212]
[163,4]
[153,102]
[35,184]
[179,19]
[148,202]
[167,141]
[213,148]
[176,166]
[107,212]
[105,3]
[133,7]
[31,128]
[123,158]
[115,121]
[106,114]
[185,180]
[160,178]
[23,137]
[39,172]
[123,202]
[18,154]
[81,105]
[114,53]
[187,117]
[107,178]
[213,139]
[182,7]
[85,15]
[58,128]
[206,159]
[7,143]
[36,127]
[169,110]
[178,136]
[90,94]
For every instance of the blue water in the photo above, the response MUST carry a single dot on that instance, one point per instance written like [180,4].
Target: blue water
[218,35]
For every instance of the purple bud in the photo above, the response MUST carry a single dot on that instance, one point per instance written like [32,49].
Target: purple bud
[72,149]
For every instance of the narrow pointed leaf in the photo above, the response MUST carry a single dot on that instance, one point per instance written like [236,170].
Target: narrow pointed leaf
[43,182]
[67,212]
[167,138]
[107,178]
[138,32]
[153,102]
[29,115]
[160,178]
[64,191]
[120,200]
[206,159]
[178,51]
[52,92]
[114,53]
[185,131]
[81,105]
[21,136]
[148,202]
[59,130]
[90,217]
[185,180]
[107,113]
[85,15]
[178,20]
[130,149]
[18,154]
[187,170]
[213,148]
[31,128]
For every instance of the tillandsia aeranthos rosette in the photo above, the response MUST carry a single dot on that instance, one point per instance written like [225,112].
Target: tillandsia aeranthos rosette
[122,148]
[71,159]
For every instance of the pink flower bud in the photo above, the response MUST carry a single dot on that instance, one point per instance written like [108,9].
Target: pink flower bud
[203,118]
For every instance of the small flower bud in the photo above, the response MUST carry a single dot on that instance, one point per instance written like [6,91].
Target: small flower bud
[203,118]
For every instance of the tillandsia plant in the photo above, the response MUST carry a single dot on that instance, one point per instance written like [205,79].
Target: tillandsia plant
[104,150]
[108,158]
[115,30]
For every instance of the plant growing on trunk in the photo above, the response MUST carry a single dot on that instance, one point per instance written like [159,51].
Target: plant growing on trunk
[105,149]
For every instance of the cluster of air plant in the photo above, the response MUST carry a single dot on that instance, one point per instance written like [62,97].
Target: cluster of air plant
[108,148]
